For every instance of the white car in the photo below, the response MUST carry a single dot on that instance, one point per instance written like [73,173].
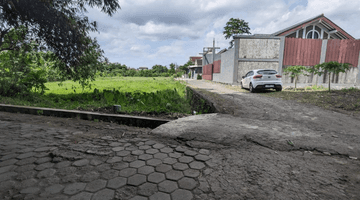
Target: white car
[261,79]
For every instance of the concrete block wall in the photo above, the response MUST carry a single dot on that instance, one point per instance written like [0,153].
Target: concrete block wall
[227,68]
[245,67]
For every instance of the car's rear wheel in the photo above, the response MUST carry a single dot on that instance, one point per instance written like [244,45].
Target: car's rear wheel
[251,88]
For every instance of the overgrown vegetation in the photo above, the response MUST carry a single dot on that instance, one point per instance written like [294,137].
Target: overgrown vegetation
[151,95]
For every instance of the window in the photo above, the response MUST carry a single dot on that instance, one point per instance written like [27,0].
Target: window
[310,34]
[266,72]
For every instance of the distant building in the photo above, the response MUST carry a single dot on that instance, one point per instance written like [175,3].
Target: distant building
[195,69]
[143,68]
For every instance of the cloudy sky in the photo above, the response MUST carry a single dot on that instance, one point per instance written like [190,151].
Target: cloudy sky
[148,32]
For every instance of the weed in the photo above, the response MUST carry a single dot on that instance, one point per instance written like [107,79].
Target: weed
[40,112]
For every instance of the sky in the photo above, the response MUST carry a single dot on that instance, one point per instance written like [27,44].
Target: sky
[144,33]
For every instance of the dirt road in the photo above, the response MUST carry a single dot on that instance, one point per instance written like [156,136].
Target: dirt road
[273,149]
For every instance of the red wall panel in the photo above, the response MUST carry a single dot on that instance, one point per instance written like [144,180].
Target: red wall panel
[207,72]
[217,65]
[343,51]
[300,51]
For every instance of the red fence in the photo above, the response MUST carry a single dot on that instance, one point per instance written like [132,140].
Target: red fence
[300,51]
[217,65]
[343,51]
[207,72]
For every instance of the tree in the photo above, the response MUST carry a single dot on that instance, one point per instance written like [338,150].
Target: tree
[186,65]
[60,26]
[236,26]
[330,67]
[159,69]
[295,72]
[172,68]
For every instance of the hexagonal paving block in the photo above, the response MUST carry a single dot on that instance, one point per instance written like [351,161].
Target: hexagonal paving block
[197,165]
[129,158]
[54,189]
[152,151]
[146,170]
[187,183]
[166,150]
[118,148]
[168,186]
[81,196]
[180,166]
[186,159]
[202,157]
[139,198]
[150,142]
[180,149]
[136,179]
[181,194]
[131,148]
[116,183]
[144,147]
[105,194]
[80,163]
[123,153]
[95,185]
[137,164]
[190,153]
[74,188]
[127,172]
[175,155]
[145,157]
[160,196]
[109,174]
[163,168]
[114,159]
[158,146]
[137,152]
[156,177]
[204,151]
[120,165]
[153,162]
[147,189]
[191,173]
[170,161]
[160,156]
[174,175]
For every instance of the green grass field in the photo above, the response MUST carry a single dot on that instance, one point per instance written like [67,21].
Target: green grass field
[134,94]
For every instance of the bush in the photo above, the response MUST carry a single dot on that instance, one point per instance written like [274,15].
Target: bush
[199,77]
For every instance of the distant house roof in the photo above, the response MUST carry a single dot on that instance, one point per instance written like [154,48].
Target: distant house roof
[193,58]
[320,19]
[143,68]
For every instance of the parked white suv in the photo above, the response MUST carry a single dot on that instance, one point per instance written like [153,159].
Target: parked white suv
[261,79]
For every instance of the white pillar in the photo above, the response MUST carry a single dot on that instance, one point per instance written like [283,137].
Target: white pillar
[304,32]
[313,33]
[297,34]
[322,34]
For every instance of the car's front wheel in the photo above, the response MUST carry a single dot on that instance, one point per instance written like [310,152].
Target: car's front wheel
[251,88]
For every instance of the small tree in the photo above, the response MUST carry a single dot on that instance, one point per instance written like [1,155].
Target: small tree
[331,67]
[295,72]
[236,26]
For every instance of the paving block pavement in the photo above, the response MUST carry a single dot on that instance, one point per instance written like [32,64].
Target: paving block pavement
[54,163]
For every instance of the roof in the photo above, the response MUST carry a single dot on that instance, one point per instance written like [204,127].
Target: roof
[193,58]
[321,19]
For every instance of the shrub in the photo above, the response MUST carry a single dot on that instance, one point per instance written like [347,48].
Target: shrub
[199,77]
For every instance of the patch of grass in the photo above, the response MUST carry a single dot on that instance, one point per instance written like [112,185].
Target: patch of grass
[346,99]
[134,94]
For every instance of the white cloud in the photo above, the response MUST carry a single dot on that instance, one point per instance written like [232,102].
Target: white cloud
[149,32]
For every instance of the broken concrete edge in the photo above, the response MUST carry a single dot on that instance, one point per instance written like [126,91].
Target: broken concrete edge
[199,101]
[145,122]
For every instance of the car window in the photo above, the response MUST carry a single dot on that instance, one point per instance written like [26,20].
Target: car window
[251,73]
[266,72]
[248,74]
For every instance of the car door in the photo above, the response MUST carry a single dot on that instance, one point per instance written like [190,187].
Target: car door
[246,80]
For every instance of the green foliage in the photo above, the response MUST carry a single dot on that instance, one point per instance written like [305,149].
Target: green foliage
[133,94]
[236,26]
[295,72]
[199,77]
[172,68]
[330,67]
[186,65]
